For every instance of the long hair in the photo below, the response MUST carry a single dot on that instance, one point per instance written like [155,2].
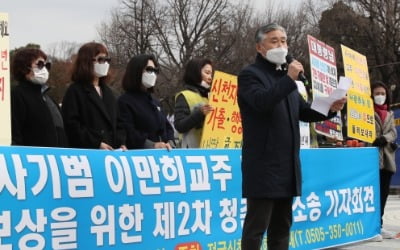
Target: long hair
[192,75]
[83,69]
[132,80]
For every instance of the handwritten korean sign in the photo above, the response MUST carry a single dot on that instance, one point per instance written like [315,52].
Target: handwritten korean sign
[5,132]
[223,126]
[360,107]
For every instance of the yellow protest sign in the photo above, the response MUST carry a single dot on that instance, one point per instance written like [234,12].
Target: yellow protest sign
[360,108]
[223,126]
[5,131]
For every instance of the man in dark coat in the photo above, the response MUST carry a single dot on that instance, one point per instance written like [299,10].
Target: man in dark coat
[271,108]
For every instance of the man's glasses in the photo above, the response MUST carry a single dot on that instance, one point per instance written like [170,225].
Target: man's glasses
[102,59]
[151,69]
[40,64]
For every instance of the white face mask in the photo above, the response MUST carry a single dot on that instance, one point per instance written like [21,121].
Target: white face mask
[380,99]
[205,85]
[149,79]
[277,55]
[101,69]
[40,75]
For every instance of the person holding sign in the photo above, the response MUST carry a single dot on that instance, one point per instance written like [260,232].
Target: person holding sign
[140,114]
[191,104]
[36,119]
[271,108]
[89,107]
[386,135]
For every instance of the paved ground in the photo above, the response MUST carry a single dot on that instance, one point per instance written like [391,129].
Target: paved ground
[391,221]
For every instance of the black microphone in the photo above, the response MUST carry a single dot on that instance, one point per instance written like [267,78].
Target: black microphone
[301,76]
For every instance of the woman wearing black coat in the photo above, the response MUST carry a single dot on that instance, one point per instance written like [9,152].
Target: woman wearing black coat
[35,118]
[89,107]
[139,112]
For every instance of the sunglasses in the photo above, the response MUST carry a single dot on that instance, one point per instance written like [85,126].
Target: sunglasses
[102,59]
[40,64]
[150,69]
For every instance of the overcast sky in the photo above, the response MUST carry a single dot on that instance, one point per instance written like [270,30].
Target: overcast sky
[47,22]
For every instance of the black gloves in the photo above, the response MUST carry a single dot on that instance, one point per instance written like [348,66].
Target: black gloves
[379,142]
[394,146]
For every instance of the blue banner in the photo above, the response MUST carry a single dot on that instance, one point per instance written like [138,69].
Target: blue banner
[395,183]
[182,200]
[340,201]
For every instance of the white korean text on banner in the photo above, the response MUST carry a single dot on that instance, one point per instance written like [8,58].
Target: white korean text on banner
[55,198]
[324,81]
[5,113]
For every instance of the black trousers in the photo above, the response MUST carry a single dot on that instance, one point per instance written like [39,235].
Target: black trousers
[271,215]
[384,178]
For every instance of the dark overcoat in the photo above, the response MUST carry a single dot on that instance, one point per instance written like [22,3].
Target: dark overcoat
[32,123]
[141,116]
[271,108]
[90,119]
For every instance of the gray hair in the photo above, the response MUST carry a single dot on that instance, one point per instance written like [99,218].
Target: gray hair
[263,30]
